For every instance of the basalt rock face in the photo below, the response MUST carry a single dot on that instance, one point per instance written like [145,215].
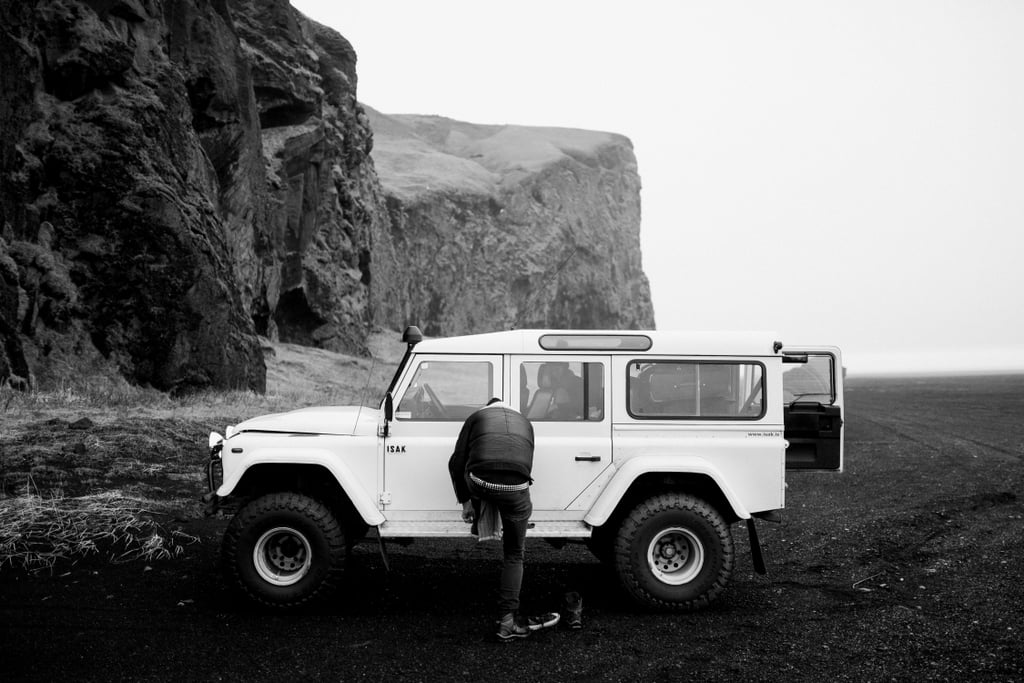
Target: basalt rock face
[176,177]
[508,226]
[113,251]
[311,267]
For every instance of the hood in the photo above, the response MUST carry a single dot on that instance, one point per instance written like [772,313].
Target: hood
[326,420]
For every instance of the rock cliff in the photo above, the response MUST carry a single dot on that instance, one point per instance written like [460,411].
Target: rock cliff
[508,226]
[177,178]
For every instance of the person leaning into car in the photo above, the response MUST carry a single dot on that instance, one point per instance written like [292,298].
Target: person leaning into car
[492,465]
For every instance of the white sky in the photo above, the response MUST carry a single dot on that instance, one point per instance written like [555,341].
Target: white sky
[846,173]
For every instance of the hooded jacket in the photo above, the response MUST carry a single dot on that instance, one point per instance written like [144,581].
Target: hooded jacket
[495,444]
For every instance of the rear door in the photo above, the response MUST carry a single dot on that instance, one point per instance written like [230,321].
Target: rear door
[566,399]
[812,386]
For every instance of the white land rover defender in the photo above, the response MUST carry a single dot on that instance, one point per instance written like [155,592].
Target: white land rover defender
[649,446]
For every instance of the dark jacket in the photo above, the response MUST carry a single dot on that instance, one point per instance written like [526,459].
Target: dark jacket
[495,444]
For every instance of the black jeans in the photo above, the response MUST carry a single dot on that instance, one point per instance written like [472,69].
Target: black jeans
[515,508]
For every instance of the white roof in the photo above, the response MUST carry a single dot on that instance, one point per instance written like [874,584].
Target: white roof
[663,342]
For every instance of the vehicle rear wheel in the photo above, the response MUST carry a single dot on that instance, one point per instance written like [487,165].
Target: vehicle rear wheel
[283,549]
[674,552]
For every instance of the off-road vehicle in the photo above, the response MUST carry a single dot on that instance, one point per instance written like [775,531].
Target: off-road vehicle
[649,446]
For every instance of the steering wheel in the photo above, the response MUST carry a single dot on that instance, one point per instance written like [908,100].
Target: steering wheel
[434,404]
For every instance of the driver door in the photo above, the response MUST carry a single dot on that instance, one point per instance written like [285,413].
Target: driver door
[434,398]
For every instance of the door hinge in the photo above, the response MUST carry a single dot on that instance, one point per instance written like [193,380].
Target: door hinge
[384,498]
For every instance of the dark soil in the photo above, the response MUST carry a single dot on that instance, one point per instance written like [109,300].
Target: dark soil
[907,566]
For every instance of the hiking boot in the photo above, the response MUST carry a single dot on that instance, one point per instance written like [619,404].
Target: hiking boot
[509,628]
[573,610]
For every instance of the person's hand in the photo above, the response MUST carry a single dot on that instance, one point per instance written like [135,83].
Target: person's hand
[467,512]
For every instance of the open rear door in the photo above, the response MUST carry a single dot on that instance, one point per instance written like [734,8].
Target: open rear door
[812,385]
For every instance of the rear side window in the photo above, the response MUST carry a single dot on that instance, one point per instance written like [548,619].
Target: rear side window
[562,391]
[662,389]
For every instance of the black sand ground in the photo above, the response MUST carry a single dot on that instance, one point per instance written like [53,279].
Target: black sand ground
[907,566]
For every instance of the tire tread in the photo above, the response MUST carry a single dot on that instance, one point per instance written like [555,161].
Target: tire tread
[315,511]
[635,521]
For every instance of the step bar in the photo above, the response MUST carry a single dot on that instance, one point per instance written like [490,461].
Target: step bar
[459,529]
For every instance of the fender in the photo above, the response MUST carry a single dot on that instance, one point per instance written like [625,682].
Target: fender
[645,464]
[363,503]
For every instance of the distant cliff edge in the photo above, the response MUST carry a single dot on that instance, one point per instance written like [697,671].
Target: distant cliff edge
[177,179]
[497,226]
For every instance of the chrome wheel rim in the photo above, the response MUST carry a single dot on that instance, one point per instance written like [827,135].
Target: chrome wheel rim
[282,556]
[675,556]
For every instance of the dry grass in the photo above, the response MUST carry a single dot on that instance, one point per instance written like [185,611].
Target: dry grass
[38,532]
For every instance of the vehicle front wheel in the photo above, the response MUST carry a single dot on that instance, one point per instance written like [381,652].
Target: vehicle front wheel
[674,552]
[283,549]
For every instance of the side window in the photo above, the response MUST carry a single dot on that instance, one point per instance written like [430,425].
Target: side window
[446,390]
[672,389]
[562,391]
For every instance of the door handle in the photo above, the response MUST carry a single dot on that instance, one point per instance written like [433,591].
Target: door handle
[588,458]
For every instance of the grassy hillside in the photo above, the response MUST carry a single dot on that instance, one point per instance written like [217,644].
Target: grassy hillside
[416,155]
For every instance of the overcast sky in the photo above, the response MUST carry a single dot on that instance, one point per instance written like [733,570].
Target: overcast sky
[846,173]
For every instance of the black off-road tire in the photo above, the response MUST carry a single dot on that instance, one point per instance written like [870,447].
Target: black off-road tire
[674,552]
[283,550]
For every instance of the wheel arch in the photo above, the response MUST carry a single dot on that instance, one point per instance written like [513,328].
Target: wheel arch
[642,478]
[313,479]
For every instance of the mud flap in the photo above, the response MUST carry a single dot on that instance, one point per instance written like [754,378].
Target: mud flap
[755,548]
[383,551]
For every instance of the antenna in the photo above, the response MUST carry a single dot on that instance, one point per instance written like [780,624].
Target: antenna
[544,284]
